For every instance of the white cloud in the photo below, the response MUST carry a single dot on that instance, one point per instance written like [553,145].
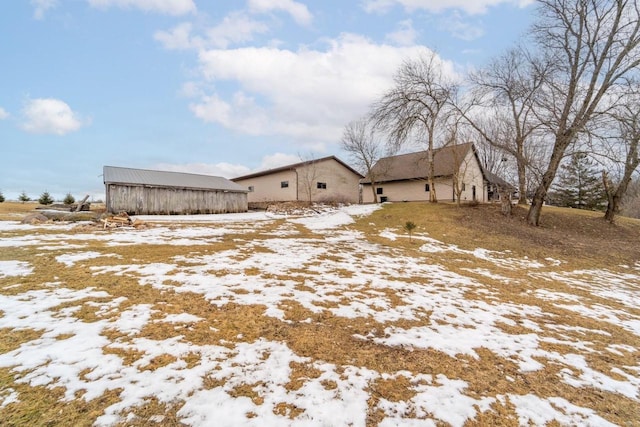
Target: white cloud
[179,38]
[276,160]
[3,114]
[460,27]
[405,35]
[471,7]
[191,90]
[305,94]
[226,170]
[41,6]
[49,116]
[235,28]
[229,170]
[168,7]
[298,11]
[213,109]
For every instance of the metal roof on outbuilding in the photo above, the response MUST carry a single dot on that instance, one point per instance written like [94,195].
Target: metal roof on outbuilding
[118,175]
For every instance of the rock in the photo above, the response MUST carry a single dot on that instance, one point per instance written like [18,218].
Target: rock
[34,218]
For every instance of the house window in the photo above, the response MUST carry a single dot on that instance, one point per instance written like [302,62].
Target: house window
[251,189]
[463,187]
[284,184]
[379,190]
[322,185]
[426,187]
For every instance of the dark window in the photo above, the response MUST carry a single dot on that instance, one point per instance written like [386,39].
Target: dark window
[379,190]
[426,187]
[322,185]
[463,187]
[251,189]
[284,184]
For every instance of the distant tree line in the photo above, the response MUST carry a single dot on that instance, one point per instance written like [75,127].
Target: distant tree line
[557,113]
[44,199]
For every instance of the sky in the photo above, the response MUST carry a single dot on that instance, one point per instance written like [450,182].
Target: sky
[221,88]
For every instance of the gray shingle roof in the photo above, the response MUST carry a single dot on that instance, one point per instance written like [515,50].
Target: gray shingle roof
[446,161]
[118,175]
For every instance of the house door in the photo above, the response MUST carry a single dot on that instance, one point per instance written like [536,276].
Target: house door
[473,192]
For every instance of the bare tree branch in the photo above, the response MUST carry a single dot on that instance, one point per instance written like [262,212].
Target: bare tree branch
[415,106]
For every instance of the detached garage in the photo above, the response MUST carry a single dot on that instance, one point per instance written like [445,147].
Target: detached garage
[149,192]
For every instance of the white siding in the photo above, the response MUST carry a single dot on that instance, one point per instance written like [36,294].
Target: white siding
[410,190]
[471,175]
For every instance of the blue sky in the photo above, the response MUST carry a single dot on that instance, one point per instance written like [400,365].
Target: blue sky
[215,87]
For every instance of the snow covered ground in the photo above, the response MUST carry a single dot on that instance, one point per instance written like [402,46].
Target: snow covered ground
[421,306]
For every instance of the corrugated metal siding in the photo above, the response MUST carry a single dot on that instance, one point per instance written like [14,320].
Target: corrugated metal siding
[117,175]
[142,200]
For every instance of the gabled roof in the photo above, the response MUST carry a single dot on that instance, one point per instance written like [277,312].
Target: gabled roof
[495,179]
[446,161]
[118,175]
[295,166]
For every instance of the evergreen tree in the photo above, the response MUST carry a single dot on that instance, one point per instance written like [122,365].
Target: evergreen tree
[69,199]
[23,197]
[578,185]
[1,197]
[45,199]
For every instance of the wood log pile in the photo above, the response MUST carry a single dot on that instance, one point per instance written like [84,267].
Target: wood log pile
[121,220]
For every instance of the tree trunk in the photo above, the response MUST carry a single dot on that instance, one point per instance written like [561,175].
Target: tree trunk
[375,195]
[432,187]
[505,199]
[533,216]
[614,197]
[522,180]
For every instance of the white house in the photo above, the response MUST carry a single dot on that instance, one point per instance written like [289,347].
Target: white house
[405,177]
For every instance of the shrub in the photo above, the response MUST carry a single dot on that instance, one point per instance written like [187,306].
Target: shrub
[23,197]
[1,197]
[69,199]
[45,199]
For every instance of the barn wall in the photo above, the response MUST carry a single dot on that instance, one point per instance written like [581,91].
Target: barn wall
[141,200]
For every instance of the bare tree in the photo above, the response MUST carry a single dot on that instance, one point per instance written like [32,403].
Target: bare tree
[593,46]
[308,176]
[627,118]
[415,106]
[508,85]
[359,140]
[463,170]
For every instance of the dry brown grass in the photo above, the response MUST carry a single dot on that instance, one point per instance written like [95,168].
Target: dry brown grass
[11,211]
[580,240]
[580,237]
[16,210]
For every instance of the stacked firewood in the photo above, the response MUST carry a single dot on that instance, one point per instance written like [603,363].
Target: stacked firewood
[121,220]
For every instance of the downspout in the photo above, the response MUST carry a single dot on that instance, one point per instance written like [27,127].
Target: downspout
[297,185]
